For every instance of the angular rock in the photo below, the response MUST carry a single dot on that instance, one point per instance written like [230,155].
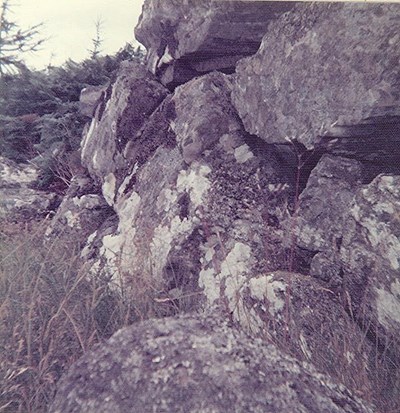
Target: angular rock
[185,39]
[319,223]
[327,75]
[354,231]
[370,256]
[203,210]
[195,364]
[81,212]
[119,117]
[306,318]
[90,98]
[17,200]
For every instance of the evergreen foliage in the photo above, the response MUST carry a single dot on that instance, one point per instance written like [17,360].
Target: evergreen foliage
[15,41]
[39,110]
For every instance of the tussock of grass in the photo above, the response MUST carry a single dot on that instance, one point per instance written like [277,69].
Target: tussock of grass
[49,315]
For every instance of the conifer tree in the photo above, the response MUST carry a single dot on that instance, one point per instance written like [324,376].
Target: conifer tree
[97,40]
[15,41]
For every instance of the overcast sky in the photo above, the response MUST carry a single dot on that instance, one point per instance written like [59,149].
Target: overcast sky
[70,26]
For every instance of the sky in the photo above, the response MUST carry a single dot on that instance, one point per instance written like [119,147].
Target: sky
[70,26]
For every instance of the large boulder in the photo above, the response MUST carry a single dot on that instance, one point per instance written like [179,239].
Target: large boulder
[203,201]
[326,75]
[188,38]
[18,201]
[196,364]
[370,257]
[323,207]
[119,116]
[352,230]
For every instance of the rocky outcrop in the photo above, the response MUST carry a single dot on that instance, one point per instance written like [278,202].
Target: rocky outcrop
[134,97]
[353,231]
[207,188]
[186,39]
[271,193]
[195,364]
[82,211]
[18,201]
[344,98]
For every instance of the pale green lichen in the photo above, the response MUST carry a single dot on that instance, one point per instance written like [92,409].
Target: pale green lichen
[243,154]
[388,307]
[108,188]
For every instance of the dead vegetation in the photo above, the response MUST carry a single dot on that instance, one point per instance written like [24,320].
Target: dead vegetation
[50,314]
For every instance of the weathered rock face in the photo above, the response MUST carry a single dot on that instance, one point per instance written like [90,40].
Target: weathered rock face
[90,98]
[81,212]
[203,209]
[188,38]
[110,130]
[195,364]
[327,75]
[370,255]
[17,200]
[323,208]
[205,213]
[354,231]
[308,320]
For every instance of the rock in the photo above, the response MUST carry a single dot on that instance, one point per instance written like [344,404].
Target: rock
[118,118]
[90,98]
[17,200]
[185,39]
[306,318]
[370,257]
[344,99]
[353,230]
[193,364]
[205,202]
[319,222]
[81,213]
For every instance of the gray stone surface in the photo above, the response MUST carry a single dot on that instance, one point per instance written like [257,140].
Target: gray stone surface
[81,212]
[200,210]
[370,256]
[196,364]
[119,117]
[354,230]
[90,98]
[187,38]
[17,200]
[326,75]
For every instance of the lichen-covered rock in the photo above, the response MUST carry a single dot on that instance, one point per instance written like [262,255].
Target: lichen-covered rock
[196,364]
[187,38]
[90,98]
[327,75]
[119,117]
[322,210]
[81,212]
[17,200]
[353,230]
[201,210]
[307,318]
[370,256]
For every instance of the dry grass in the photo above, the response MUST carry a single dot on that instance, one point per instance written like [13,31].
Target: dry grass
[50,314]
